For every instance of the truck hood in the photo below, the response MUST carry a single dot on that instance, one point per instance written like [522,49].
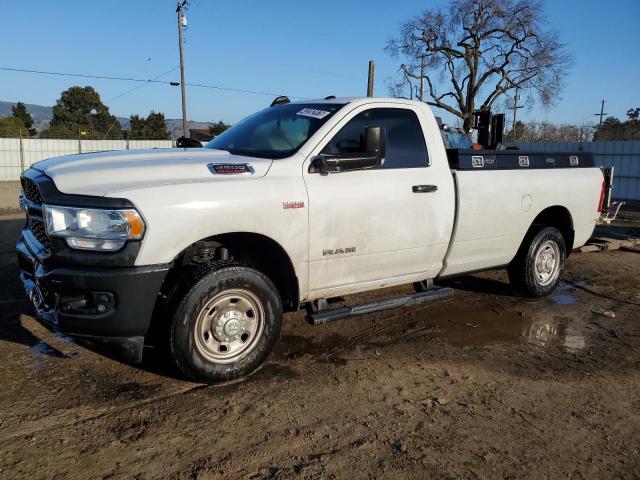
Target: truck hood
[105,173]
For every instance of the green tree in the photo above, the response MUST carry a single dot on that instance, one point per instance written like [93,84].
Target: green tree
[520,132]
[12,127]
[79,111]
[217,128]
[153,127]
[19,110]
[136,127]
[613,129]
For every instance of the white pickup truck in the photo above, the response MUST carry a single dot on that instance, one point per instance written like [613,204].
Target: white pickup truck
[294,205]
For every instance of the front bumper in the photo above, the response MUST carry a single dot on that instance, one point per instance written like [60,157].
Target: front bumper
[110,305]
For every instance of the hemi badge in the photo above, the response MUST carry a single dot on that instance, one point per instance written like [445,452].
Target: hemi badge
[296,204]
[231,168]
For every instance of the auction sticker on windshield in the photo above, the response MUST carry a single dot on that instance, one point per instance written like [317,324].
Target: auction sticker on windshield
[313,113]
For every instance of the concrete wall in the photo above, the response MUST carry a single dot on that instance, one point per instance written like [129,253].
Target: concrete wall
[624,156]
[13,157]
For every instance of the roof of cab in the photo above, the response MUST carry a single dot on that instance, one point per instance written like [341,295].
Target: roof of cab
[345,100]
[340,100]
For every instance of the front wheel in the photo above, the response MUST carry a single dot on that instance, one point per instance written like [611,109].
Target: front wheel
[226,324]
[539,264]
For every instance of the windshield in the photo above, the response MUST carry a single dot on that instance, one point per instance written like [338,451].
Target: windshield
[275,132]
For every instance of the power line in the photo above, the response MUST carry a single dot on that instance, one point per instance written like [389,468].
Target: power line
[141,86]
[131,90]
[141,80]
[81,75]
[237,90]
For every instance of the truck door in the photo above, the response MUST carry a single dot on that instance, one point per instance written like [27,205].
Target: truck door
[377,227]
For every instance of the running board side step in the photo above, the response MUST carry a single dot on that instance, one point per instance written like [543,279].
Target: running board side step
[323,316]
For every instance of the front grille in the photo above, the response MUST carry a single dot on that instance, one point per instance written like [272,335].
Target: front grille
[35,223]
[40,232]
[31,191]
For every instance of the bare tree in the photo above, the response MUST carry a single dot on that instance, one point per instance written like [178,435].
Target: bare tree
[548,132]
[479,50]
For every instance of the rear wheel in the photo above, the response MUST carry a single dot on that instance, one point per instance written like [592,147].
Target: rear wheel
[226,324]
[539,264]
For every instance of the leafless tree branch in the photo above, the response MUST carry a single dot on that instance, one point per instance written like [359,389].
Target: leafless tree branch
[485,48]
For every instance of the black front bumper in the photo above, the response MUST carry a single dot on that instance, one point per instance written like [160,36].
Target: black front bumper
[111,305]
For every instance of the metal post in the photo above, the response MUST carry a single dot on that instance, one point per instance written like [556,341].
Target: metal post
[609,192]
[372,67]
[79,142]
[21,152]
[185,128]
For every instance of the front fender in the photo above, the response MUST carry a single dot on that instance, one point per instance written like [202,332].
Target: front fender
[180,215]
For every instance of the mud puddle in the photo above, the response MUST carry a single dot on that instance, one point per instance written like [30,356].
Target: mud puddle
[564,293]
[494,326]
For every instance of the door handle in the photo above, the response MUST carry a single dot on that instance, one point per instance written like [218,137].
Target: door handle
[424,188]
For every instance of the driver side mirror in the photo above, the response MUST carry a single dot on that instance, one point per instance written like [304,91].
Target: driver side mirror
[373,155]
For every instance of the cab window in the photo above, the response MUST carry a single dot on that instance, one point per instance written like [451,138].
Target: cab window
[405,146]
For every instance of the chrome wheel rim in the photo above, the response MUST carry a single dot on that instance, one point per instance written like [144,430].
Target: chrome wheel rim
[229,326]
[547,263]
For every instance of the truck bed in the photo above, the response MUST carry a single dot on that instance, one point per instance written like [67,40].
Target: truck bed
[499,194]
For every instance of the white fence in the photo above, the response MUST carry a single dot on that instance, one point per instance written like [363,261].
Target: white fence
[623,156]
[17,155]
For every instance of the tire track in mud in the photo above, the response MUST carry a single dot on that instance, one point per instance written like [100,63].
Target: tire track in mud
[75,416]
[384,324]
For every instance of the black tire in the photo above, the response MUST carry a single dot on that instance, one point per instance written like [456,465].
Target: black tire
[190,336]
[523,275]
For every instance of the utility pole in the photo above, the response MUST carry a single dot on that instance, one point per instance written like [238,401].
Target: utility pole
[601,114]
[185,128]
[515,108]
[372,67]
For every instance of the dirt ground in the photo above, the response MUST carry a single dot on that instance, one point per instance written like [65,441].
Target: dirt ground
[482,385]
[9,192]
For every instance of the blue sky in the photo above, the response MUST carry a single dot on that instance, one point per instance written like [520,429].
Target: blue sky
[294,47]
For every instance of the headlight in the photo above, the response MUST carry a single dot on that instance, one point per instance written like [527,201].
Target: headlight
[93,228]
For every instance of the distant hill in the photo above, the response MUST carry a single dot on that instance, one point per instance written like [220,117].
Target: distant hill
[42,115]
